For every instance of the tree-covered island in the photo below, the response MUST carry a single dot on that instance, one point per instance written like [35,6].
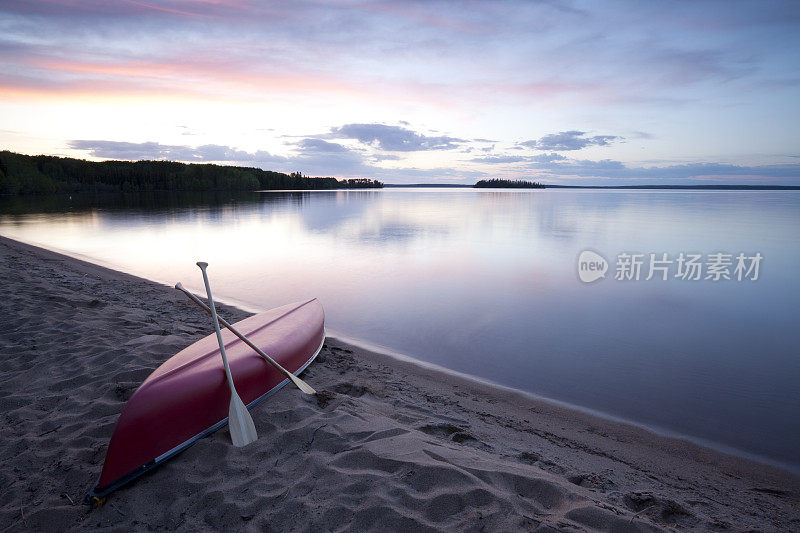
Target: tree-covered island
[497,183]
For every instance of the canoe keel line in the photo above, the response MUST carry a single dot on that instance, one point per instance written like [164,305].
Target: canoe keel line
[186,398]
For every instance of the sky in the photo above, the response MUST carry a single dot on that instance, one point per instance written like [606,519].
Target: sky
[570,93]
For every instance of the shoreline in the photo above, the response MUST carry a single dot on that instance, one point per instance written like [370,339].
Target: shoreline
[394,434]
[533,397]
[389,352]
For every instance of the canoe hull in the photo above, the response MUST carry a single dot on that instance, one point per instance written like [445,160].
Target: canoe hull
[187,397]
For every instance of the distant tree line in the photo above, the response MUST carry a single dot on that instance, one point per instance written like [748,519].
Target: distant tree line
[497,183]
[41,174]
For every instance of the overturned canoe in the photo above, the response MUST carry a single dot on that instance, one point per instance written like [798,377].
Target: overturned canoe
[187,397]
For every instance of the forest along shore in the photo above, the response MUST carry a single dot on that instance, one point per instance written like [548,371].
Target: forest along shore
[44,174]
[385,444]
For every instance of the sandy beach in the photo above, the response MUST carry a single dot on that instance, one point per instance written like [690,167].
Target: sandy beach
[384,445]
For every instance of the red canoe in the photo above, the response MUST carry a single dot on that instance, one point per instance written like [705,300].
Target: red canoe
[187,397]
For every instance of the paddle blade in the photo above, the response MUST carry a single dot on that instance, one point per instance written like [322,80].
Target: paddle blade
[302,385]
[240,423]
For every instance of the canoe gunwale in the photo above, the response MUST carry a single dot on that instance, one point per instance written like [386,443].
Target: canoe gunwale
[215,350]
[98,493]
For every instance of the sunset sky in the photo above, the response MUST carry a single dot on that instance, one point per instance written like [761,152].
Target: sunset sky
[583,93]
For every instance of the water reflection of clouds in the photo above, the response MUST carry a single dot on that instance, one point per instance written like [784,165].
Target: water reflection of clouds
[493,220]
[490,220]
[388,232]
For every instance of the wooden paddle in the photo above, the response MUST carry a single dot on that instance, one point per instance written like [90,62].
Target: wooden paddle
[240,423]
[299,383]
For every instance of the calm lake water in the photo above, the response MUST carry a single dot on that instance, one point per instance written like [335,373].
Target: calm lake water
[485,282]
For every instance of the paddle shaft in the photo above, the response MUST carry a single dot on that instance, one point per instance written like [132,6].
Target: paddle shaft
[216,328]
[240,423]
[302,385]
